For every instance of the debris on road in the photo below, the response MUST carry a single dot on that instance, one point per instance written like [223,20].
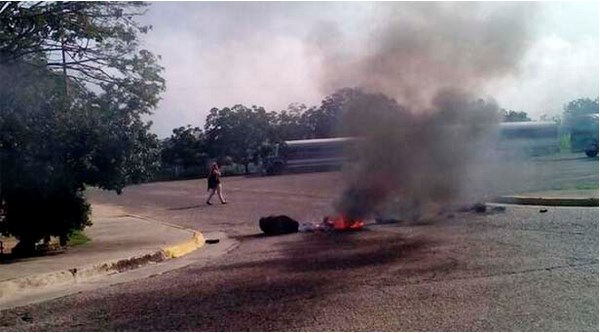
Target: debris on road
[482,208]
[479,208]
[543,210]
[309,227]
[498,209]
[383,220]
[278,225]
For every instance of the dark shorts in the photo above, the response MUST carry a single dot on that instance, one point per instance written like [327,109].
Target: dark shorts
[213,183]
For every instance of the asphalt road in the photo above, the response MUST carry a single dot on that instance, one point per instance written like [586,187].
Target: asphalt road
[519,270]
[309,197]
[522,270]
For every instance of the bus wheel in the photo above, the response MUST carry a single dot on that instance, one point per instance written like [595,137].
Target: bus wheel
[591,150]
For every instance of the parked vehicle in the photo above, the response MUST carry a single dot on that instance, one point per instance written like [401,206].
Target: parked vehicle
[309,155]
[529,137]
[521,138]
[584,134]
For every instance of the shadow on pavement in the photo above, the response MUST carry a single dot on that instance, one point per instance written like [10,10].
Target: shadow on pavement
[332,252]
[271,293]
[250,237]
[269,284]
[186,207]
[8,258]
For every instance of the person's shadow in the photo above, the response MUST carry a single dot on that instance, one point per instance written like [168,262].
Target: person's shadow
[186,207]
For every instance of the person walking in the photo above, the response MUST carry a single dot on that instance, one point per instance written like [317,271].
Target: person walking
[214,184]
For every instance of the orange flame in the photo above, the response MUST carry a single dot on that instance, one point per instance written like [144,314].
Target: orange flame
[344,223]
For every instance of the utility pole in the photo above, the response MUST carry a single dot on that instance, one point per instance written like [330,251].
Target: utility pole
[64,66]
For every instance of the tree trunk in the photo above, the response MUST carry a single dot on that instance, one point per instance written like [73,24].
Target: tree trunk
[25,248]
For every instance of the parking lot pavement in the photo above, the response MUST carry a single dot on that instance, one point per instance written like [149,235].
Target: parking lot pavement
[308,197]
[523,270]
[304,197]
[527,268]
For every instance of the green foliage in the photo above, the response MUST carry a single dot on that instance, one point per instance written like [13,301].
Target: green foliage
[292,124]
[362,112]
[184,153]
[514,116]
[324,121]
[77,238]
[587,186]
[243,135]
[248,134]
[580,107]
[239,132]
[580,123]
[565,143]
[82,125]
[99,41]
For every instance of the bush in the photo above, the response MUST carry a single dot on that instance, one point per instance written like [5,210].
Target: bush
[35,213]
[77,238]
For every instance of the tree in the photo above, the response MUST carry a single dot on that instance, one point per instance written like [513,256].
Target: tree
[324,121]
[245,134]
[514,116]
[574,110]
[186,149]
[291,124]
[554,117]
[89,42]
[345,111]
[583,128]
[73,89]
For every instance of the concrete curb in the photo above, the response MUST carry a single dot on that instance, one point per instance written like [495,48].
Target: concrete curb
[181,249]
[76,274]
[547,201]
[176,251]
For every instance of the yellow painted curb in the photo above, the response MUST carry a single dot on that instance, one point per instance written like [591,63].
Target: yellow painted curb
[184,248]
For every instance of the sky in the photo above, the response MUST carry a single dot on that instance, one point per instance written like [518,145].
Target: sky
[527,57]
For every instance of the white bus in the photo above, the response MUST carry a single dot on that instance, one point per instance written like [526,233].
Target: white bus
[529,138]
[309,155]
[516,138]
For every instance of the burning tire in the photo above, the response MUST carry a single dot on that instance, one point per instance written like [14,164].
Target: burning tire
[278,225]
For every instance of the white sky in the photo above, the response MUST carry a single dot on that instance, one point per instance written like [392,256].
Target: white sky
[218,54]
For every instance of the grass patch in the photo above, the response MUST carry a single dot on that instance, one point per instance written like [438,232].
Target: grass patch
[587,186]
[565,143]
[78,238]
[571,187]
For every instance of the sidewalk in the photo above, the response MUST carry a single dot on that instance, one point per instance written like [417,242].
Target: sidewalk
[575,198]
[118,242]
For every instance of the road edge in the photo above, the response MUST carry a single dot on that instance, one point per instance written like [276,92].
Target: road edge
[546,201]
[75,275]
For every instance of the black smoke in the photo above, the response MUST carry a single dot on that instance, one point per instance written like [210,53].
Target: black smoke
[434,146]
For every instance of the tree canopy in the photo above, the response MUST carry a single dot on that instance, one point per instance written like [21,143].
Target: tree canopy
[239,132]
[73,88]
[514,116]
[184,153]
[575,109]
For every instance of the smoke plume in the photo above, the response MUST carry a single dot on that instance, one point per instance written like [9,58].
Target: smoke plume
[433,148]
[415,49]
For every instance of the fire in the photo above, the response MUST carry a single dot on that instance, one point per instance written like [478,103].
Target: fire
[342,222]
